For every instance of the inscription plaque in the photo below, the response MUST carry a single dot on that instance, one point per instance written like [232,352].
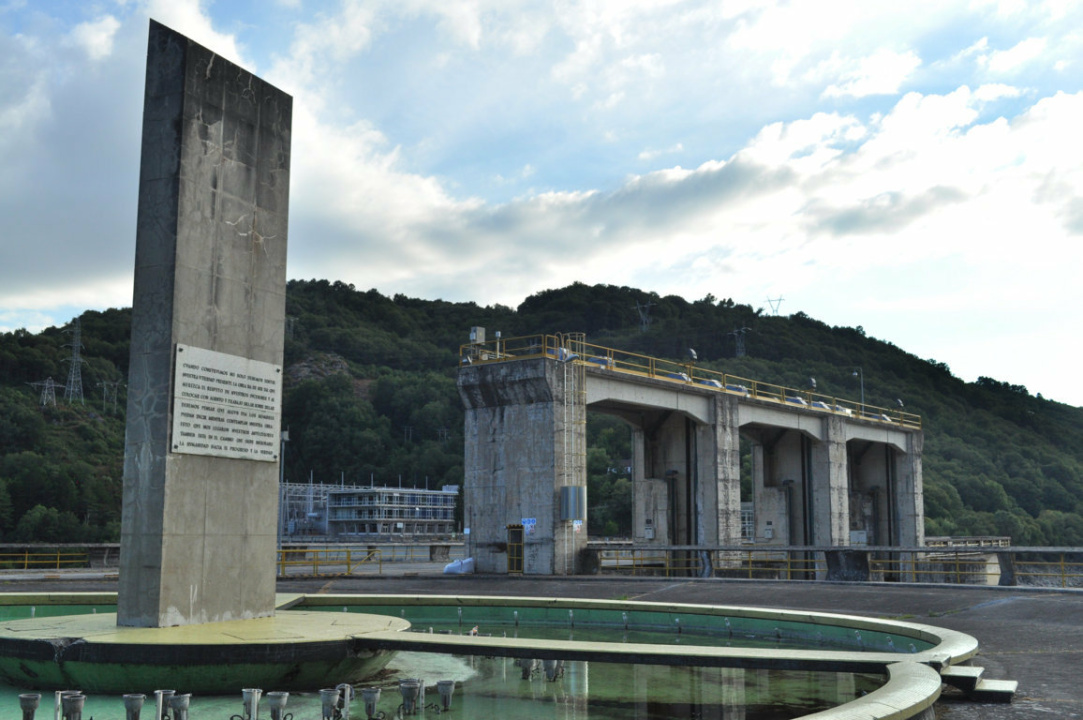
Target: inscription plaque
[225,405]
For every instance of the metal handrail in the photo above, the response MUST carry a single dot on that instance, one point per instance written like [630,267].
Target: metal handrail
[323,561]
[44,560]
[622,361]
[1063,566]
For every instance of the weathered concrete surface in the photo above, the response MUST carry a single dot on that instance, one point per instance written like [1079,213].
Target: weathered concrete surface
[522,431]
[210,271]
[809,484]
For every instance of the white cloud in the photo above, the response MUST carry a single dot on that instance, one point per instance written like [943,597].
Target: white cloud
[190,18]
[996,91]
[879,74]
[524,173]
[652,154]
[20,116]
[307,70]
[96,38]
[1009,61]
[420,124]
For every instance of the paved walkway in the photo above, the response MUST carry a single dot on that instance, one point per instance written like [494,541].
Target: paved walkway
[1033,636]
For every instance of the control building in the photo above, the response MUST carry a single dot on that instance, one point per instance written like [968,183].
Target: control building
[384,512]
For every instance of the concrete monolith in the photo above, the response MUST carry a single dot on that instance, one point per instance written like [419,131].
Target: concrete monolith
[204,390]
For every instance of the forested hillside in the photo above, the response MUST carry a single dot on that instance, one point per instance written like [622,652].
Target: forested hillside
[370,394]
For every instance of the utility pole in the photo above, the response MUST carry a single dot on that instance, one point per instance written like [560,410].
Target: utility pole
[858,373]
[109,393]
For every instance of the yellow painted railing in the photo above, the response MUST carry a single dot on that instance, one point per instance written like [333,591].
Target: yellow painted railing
[965,567]
[561,348]
[327,561]
[44,560]
[1060,572]
[756,564]
[1040,567]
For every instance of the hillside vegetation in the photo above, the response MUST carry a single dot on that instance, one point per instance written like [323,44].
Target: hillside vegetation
[370,395]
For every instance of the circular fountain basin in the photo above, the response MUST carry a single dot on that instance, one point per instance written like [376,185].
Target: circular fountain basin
[347,638]
[292,650]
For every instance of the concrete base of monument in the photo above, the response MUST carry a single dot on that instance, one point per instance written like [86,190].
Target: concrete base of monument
[293,650]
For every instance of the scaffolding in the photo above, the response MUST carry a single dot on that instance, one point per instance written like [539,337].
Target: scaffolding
[304,508]
[388,512]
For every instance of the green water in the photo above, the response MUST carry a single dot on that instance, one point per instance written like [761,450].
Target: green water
[22,612]
[495,688]
[653,627]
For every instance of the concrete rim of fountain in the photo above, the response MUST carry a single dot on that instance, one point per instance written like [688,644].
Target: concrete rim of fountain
[913,678]
[293,649]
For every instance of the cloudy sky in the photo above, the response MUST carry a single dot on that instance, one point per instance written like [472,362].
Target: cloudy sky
[914,168]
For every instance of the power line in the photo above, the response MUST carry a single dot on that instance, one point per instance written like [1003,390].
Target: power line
[74,389]
[775,304]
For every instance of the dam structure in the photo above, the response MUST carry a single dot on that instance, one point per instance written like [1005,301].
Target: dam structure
[825,471]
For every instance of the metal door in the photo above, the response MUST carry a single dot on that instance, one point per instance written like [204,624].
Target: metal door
[515,549]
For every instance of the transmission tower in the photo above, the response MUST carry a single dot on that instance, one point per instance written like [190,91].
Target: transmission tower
[739,338]
[74,389]
[109,393]
[48,388]
[775,304]
[644,310]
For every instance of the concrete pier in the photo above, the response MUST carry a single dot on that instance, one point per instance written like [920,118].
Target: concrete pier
[525,441]
[820,475]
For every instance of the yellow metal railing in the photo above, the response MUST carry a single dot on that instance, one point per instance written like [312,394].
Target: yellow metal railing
[770,565]
[411,553]
[327,561]
[752,564]
[558,348]
[961,568]
[974,541]
[1062,571]
[1055,567]
[44,560]
[636,562]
